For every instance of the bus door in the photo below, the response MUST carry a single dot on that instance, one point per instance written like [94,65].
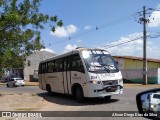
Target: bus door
[66,75]
[43,79]
[40,76]
[58,82]
[77,70]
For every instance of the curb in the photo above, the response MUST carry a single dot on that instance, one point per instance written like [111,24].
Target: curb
[27,84]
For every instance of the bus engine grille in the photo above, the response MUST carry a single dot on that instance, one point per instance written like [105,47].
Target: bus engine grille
[110,82]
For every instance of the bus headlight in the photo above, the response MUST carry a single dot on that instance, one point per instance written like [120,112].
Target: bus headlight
[152,106]
[95,82]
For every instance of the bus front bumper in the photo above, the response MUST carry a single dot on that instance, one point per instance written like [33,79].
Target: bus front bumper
[111,88]
[106,91]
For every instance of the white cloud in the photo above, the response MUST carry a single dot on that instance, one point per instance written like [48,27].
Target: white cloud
[70,47]
[48,50]
[158,6]
[79,40]
[87,27]
[125,39]
[154,19]
[64,31]
[134,48]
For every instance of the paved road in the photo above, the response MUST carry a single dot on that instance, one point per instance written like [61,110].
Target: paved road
[124,102]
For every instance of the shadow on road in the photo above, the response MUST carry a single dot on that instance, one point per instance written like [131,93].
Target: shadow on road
[70,101]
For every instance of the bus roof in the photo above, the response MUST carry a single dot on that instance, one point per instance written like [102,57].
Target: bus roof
[77,50]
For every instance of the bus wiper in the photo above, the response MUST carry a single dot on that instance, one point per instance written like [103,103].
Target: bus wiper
[107,69]
[110,68]
[94,67]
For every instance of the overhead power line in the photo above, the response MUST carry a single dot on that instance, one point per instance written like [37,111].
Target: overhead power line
[142,19]
[118,20]
[118,43]
[121,43]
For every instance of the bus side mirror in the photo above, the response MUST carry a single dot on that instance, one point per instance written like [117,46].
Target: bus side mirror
[148,103]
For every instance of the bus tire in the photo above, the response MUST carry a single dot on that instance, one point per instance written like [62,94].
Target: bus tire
[108,97]
[14,85]
[79,95]
[48,88]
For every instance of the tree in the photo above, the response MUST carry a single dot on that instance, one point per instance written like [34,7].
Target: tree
[20,25]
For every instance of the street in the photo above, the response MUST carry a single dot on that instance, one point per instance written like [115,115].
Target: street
[125,102]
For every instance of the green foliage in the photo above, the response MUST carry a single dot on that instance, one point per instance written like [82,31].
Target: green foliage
[20,25]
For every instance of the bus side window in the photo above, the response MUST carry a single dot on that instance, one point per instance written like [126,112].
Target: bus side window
[40,68]
[56,66]
[43,67]
[65,65]
[76,63]
[50,66]
[60,69]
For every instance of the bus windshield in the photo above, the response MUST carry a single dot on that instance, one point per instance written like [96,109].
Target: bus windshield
[99,61]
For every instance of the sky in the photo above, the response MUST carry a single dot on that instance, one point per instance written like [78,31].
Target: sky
[99,23]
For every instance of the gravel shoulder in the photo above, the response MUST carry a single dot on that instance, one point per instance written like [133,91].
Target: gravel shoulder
[20,102]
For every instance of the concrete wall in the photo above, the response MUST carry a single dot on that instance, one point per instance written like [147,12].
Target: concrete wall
[35,59]
[136,75]
[135,64]
[132,70]
[158,75]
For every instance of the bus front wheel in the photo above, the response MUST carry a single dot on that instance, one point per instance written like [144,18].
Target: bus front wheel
[79,95]
[107,97]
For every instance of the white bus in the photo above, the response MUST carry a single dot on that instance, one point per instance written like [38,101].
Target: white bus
[82,73]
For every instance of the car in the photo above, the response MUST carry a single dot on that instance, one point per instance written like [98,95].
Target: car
[14,82]
[3,80]
[148,103]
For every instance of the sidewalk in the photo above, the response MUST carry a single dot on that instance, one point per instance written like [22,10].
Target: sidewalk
[141,85]
[27,83]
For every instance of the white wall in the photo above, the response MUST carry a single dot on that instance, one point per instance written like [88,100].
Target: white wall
[35,59]
[131,74]
[158,75]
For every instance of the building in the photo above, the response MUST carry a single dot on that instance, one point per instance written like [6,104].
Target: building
[16,72]
[31,64]
[132,69]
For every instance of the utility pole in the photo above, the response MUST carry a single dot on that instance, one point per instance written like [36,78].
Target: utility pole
[144,20]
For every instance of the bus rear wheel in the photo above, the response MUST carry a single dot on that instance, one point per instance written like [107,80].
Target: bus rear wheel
[48,88]
[79,95]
